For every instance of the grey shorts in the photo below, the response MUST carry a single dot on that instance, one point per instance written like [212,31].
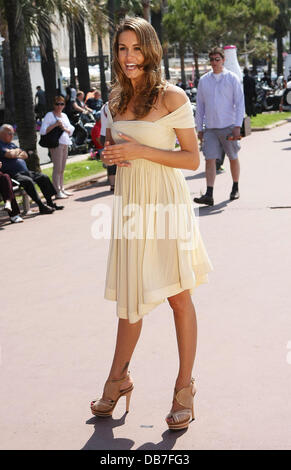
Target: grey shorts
[214,143]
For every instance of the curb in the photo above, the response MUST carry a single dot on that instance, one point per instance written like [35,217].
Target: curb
[271,126]
[81,183]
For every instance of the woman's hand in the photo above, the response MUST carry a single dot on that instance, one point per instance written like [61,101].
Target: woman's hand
[119,154]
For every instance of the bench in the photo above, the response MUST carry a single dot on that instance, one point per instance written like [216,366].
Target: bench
[18,191]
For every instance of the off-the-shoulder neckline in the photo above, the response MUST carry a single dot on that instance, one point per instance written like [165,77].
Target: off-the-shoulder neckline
[152,122]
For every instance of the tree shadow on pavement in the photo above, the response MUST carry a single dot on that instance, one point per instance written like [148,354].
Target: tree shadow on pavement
[91,197]
[282,140]
[197,176]
[213,210]
[103,438]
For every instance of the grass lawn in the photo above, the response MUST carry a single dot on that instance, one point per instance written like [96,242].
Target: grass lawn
[265,119]
[77,170]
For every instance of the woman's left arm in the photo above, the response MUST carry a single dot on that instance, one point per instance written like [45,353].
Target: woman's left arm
[187,157]
[68,126]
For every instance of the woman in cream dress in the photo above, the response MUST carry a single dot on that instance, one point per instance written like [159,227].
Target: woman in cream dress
[156,251]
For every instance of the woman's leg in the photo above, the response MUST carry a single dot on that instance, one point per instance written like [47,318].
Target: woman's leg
[56,159]
[64,156]
[127,337]
[186,331]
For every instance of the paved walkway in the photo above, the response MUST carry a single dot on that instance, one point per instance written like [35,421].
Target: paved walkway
[57,331]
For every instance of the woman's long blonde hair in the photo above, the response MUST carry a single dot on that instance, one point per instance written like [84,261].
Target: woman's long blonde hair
[147,92]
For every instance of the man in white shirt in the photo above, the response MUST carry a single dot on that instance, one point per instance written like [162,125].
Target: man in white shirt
[219,116]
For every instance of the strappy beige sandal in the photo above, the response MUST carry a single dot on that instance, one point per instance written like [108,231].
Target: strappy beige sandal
[113,388]
[181,419]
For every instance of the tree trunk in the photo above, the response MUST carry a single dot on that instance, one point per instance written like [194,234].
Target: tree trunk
[104,91]
[166,62]
[24,108]
[81,56]
[111,11]
[182,62]
[254,65]
[195,55]
[70,27]
[48,66]
[9,111]
[270,65]
[279,55]
[164,40]
[146,10]
[156,19]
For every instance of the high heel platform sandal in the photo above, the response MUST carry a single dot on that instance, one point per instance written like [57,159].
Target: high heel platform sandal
[113,388]
[181,418]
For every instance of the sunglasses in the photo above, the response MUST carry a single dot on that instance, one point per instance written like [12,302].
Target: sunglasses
[215,59]
[59,104]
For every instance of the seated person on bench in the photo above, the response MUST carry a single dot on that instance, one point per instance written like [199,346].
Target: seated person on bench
[8,196]
[13,163]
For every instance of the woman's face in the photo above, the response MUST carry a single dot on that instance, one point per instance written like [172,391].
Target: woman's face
[59,106]
[130,56]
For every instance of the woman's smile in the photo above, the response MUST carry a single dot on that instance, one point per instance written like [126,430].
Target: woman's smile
[130,56]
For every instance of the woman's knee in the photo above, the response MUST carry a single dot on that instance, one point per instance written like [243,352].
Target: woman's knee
[179,302]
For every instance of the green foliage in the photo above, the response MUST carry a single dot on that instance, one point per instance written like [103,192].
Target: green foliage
[202,24]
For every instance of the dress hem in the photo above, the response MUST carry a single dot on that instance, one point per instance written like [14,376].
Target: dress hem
[164,293]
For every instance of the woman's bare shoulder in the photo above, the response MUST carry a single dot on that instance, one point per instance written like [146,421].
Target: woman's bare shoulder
[174,97]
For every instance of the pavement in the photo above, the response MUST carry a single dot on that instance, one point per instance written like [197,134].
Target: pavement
[58,333]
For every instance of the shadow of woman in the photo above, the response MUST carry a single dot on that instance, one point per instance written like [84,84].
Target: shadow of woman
[168,441]
[103,437]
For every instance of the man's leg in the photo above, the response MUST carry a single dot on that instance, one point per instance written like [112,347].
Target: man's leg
[231,148]
[6,189]
[26,181]
[212,150]
[235,171]
[210,169]
[45,185]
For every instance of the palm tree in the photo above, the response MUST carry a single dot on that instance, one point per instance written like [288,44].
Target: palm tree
[146,5]
[24,109]
[70,30]
[48,66]
[81,54]
[159,8]
[281,27]
[9,111]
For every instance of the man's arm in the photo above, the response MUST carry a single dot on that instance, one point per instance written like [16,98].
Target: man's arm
[239,102]
[16,153]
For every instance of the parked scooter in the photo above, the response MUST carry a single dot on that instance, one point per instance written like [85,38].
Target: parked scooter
[191,93]
[81,138]
[268,99]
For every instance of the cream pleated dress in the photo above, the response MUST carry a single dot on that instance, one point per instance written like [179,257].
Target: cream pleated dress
[156,250]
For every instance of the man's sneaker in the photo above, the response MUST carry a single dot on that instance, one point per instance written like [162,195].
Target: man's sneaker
[7,206]
[209,201]
[16,219]
[234,195]
[220,169]
[44,209]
